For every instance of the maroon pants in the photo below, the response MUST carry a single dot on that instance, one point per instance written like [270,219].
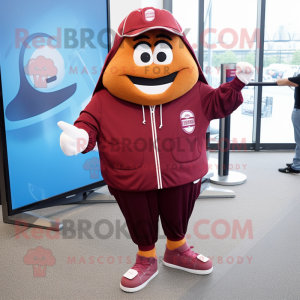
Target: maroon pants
[142,210]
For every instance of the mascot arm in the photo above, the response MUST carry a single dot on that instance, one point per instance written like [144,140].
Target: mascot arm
[89,120]
[221,102]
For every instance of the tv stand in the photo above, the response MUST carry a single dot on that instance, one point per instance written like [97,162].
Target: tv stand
[98,195]
[30,219]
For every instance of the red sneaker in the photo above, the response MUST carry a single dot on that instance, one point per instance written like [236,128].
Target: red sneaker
[140,274]
[183,258]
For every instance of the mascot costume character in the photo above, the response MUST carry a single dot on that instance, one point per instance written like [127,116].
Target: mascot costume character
[148,115]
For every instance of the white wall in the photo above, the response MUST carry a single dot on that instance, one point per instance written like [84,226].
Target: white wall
[186,13]
[153,3]
[119,9]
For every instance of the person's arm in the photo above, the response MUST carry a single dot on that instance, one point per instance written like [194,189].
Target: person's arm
[291,81]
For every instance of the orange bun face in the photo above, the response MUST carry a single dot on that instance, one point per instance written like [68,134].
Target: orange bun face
[152,68]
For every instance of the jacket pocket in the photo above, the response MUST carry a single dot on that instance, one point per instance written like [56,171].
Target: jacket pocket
[186,149]
[125,156]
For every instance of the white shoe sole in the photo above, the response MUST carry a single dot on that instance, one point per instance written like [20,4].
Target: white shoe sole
[132,290]
[199,272]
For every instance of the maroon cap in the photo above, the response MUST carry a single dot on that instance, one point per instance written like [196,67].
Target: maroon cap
[142,20]
[148,18]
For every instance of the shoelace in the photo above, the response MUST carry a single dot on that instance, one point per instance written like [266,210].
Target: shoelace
[190,253]
[141,265]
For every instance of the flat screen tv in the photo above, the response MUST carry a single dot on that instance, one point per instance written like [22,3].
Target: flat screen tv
[51,55]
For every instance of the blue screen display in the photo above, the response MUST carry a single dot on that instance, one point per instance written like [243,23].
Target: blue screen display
[51,55]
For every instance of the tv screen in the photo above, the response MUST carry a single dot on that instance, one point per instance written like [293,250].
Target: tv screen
[51,55]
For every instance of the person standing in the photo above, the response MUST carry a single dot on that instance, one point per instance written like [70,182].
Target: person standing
[294,167]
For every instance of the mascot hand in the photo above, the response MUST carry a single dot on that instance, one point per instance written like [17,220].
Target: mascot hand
[72,140]
[244,72]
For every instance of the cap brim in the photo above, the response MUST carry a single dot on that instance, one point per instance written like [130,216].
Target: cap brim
[142,30]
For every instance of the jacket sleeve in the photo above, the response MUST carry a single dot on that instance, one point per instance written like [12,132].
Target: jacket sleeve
[295,79]
[221,102]
[89,120]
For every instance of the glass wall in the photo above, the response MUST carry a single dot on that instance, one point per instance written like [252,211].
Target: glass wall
[230,38]
[281,60]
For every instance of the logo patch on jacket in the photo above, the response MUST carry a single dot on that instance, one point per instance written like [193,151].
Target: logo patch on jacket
[187,120]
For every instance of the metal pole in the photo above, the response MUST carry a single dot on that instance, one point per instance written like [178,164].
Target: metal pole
[168,5]
[200,31]
[261,12]
[225,177]
[224,130]
[209,56]
[208,192]
[262,84]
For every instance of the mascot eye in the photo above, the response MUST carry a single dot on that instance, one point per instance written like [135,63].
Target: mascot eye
[142,55]
[163,54]
[145,57]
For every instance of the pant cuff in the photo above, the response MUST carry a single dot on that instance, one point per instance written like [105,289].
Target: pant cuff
[146,248]
[176,239]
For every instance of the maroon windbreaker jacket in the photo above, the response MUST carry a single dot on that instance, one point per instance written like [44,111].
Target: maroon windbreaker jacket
[148,148]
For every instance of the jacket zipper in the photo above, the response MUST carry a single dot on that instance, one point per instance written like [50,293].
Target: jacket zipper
[155,147]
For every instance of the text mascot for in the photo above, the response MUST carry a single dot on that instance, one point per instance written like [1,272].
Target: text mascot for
[148,115]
